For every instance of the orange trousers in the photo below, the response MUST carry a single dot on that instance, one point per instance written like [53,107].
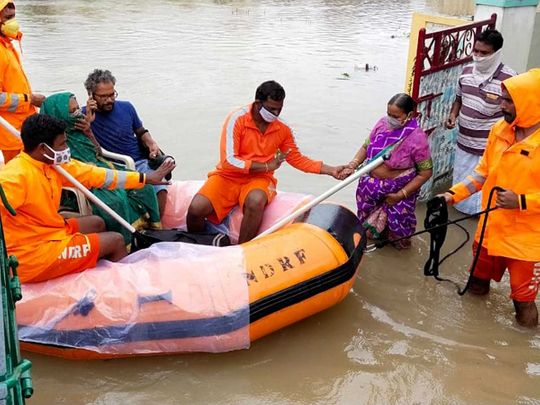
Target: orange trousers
[524,275]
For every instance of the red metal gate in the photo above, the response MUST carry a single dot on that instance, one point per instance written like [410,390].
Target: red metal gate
[438,65]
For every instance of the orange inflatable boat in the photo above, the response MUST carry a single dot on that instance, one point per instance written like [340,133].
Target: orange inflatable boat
[178,298]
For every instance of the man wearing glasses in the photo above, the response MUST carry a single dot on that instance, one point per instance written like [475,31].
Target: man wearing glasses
[118,128]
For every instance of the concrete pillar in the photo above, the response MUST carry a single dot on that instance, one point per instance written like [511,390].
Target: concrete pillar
[515,21]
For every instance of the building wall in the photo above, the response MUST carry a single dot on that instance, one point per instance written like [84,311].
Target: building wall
[534,55]
[457,8]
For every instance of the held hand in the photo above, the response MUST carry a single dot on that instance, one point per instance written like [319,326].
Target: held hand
[335,171]
[91,107]
[450,122]
[393,198]
[507,199]
[37,99]
[447,197]
[156,177]
[346,172]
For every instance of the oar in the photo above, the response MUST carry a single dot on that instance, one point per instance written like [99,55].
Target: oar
[77,184]
[342,184]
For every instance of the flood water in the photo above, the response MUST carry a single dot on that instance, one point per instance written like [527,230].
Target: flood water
[399,337]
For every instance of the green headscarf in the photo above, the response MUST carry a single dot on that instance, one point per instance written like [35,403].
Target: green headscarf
[82,148]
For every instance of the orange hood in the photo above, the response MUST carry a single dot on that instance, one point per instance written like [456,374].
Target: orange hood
[525,92]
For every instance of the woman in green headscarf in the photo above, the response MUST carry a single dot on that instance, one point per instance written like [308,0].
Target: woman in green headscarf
[138,207]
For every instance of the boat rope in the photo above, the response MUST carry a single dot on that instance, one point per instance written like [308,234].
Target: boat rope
[436,224]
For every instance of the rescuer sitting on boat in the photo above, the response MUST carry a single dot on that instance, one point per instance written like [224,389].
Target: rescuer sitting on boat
[254,144]
[47,245]
[511,161]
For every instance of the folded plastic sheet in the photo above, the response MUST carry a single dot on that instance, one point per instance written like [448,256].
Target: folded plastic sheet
[169,298]
[180,194]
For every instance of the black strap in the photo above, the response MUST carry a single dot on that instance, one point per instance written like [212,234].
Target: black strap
[480,239]
[436,222]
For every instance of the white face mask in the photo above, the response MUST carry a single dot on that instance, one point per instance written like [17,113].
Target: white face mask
[77,113]
[486,65]
[267,115]
[60,156]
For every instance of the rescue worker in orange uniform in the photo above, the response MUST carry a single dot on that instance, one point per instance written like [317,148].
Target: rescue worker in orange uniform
[511,161]
[16,98]
[45,244]
[254,143]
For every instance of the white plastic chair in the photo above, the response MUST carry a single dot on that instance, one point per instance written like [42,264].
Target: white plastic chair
[83,205]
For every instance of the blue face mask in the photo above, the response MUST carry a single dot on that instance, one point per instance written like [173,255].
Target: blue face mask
[267,115]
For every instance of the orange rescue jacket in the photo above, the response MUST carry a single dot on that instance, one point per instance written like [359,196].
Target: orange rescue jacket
[514,166]
[15,94]
[243,143]
[38,233]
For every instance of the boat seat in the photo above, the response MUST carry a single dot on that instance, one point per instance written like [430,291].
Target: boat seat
[83,205]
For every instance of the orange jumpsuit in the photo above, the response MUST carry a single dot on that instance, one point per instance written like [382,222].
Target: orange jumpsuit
[512,234]
[38,235]
[241,144]
[15,96]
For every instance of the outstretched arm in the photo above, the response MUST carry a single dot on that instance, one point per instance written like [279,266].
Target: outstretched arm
[97,177]
[297,159]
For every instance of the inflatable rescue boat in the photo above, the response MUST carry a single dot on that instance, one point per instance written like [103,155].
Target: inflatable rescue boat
[175,297]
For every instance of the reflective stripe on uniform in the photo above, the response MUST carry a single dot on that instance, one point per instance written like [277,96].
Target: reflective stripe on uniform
[229,140]
[470,185]
[478,177]
[122,177]
[14,103]
[109,177]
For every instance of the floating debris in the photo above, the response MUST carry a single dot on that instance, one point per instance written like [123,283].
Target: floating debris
[401,35]
[367,67]
[344,76]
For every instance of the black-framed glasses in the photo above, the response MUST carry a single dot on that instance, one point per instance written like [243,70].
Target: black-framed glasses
[106,96]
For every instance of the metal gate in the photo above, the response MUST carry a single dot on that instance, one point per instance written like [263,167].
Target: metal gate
[440,57]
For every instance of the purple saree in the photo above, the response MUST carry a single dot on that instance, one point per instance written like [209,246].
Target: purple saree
[411,154]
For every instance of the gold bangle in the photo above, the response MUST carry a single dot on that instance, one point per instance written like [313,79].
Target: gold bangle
[266,166]
[404,192]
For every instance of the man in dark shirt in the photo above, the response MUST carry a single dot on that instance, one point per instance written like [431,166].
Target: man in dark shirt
[118,128]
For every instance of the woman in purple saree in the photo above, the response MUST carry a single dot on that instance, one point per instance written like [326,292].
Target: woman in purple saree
[386,197]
